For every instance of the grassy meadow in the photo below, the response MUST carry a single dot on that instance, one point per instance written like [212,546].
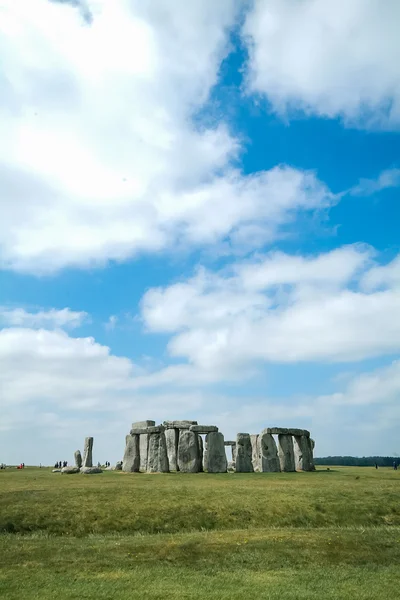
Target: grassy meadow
[325,535]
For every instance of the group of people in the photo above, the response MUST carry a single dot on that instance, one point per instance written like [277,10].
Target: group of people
[61,464]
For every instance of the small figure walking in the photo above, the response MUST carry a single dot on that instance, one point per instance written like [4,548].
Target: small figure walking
[376,465]
[395,465]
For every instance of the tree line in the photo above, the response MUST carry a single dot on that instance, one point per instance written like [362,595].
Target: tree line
[357,461]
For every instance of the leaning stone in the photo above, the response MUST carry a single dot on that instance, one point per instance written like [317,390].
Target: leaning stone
[243,453]
[69,470]
[216,456]
[131,461]
[269,454]
[171,439]
[56,471]
[78,459]
[203,428]
[255,452]
[157,458]
[141,430]
[143,424]
[286,453]
[178,424]
[87,452]
[188,452]
[90,470]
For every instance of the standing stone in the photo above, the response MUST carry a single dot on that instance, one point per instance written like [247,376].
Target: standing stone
[286,452]
[87,453]
[243,453]
[311,446]
[234,452]
[269,454]
[201,453]
[143,451]
[216,457]
[157,458]
[131,461]
[78,459]
[188,451]
[255,452]
[172,438]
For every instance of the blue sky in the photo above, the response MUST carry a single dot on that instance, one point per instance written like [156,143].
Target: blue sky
[200,219]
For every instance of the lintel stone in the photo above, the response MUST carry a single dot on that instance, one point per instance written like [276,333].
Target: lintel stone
[139,430]
[142,424]
[203,428]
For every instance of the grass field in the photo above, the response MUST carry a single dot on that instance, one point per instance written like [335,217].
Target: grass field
[324,535]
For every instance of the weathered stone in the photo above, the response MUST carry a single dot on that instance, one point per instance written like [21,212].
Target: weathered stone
[216,457]
[231,467]
[234,452]
[188,451]
[286,453]
[171,439]
[87,453]
[90,470]
[69,470]
[203,428]
[201,453]
[243,453]
[311,446]
[269,454]
[298,432]
[143,451]
[78,459]
[178,424]
[56,471]
[276,430]
[118,466]
[255,452]
[157,458]
[143,424]
[131,461]
[302,453]
[148,430]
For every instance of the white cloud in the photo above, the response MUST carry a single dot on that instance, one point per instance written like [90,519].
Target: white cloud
[103,156]
[279,308]
[387,179]
[383,276]
[331,58]
[19,317]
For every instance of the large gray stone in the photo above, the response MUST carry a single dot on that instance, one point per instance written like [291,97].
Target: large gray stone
[203,428]
[87,453]
[148,430]
[255,452]
[216,461]
[201,453]
[131,461]
[298,432]
[143,424]
[171,439]
[157,457]
[269,454]
[118,466]
[243,453]
[188,451]
[311,445]
[178,424]
[143,451]
[69,470]
[78,459]
[302,455]
[90,470]
[277,430]
[286,452]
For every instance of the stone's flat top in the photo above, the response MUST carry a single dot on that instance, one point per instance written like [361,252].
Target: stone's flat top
[203,428]
[142,424]
[140,430]
[286,431]
[229,443]
[178,424]
[241,436]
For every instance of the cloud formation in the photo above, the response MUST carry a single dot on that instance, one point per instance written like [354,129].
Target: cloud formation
[336,58]
[64,318]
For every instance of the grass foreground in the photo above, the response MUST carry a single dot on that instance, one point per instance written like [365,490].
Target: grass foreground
[324,535]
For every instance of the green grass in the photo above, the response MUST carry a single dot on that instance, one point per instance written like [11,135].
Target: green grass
[325,535]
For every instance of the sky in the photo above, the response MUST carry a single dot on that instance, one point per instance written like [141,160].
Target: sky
[199,219]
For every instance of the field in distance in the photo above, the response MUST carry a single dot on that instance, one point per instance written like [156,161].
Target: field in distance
[325,535]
